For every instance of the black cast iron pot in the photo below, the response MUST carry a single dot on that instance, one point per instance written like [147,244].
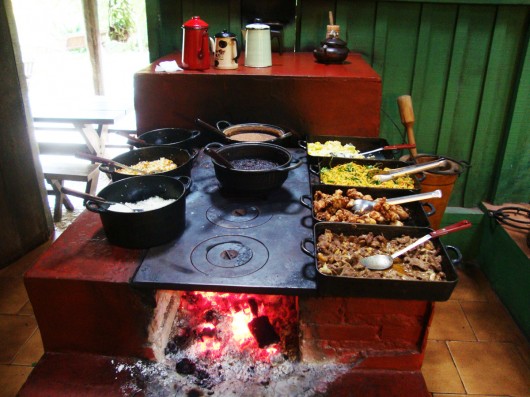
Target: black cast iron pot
[169,137]
[149,228]
[182,158]
[262,180]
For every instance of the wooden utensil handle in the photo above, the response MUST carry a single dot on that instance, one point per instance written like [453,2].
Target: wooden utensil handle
[465,224]
[406,113]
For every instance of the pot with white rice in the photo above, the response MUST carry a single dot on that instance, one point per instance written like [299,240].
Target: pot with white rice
[162,201]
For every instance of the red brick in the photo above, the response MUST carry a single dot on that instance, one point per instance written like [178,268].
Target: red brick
[386,306]
[321,310]
[347,332]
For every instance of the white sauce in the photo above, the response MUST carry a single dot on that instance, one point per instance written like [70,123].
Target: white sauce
[150,204]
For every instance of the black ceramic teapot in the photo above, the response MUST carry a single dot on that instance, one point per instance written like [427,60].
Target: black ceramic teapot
[331,50]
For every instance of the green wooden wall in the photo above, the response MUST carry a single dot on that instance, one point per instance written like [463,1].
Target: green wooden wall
[465,64]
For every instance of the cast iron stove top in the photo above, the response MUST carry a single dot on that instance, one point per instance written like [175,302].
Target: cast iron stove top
[235,243]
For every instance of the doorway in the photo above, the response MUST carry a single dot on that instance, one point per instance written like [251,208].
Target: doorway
[54,47]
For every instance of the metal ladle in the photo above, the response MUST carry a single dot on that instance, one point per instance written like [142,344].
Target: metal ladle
[101,200]
[382,262]
[362,205]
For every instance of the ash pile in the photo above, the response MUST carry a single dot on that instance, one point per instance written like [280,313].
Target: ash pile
[233,345]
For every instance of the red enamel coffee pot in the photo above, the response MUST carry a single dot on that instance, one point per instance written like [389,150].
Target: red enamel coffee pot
[195,45]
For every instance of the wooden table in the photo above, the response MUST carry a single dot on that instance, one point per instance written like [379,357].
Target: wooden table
[89,116]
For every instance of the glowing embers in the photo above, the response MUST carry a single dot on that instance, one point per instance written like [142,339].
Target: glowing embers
[220,326]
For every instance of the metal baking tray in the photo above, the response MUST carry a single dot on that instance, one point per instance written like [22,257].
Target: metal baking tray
[332,162]
[363,144]
[384,288]
[417,214]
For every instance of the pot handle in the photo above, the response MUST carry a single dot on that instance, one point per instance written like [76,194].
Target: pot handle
[313,168]
[305,200]
[305,250]
[238,50]
[213,145]
[95,206]
[302,144]
[193,153]
[432,209]
[186,181]
[107,169]
[294,164]
[222,124]
[458,259]
[194,134]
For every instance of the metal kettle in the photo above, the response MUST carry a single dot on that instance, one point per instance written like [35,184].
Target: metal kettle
[195,45]
[258,45]
[226,50]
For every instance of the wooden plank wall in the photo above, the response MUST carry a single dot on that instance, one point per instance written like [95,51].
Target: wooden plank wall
[25,216]
[466,66]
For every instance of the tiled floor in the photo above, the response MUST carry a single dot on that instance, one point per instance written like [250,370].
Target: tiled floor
[474,347]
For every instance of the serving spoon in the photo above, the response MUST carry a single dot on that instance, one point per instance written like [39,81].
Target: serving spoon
[218,157]
[101,200]
[362,205]
[103,160]
[388,147]
[413,169]
[382,262]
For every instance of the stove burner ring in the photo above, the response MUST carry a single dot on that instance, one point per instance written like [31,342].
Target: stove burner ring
[237,216]
[229,256]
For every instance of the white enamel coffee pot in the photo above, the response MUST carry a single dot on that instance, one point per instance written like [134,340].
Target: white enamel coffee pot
[258,45]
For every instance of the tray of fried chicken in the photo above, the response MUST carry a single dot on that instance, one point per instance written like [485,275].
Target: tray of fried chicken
[335,203]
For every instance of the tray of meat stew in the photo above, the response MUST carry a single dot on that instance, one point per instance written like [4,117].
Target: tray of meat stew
[324,146]
[424,273]
[334,203]
[361,173]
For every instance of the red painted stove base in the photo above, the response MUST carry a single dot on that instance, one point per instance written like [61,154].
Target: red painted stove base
[76,374]
[84,375]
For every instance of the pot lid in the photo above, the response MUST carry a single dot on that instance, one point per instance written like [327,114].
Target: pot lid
[258,25]
[195,23]
[224,34]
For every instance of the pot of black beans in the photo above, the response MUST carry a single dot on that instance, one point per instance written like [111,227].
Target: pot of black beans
[251,167]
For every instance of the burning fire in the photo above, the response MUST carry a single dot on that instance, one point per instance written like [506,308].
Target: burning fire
[240,331]
[215,324]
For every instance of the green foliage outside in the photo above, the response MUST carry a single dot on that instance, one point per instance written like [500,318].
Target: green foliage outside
[121,20]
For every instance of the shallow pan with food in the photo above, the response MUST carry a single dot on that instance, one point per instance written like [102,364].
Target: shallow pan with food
[331,285]
[181,157]
[152,226]
[247,132]
[278,160]
[169,137]
[328,163]
[416,211]
[362,144]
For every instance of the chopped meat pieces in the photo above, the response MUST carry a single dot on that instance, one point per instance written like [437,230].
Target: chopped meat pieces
[339,255]
[337,207]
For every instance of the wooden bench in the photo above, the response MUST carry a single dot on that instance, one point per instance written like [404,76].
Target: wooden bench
[56,173]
